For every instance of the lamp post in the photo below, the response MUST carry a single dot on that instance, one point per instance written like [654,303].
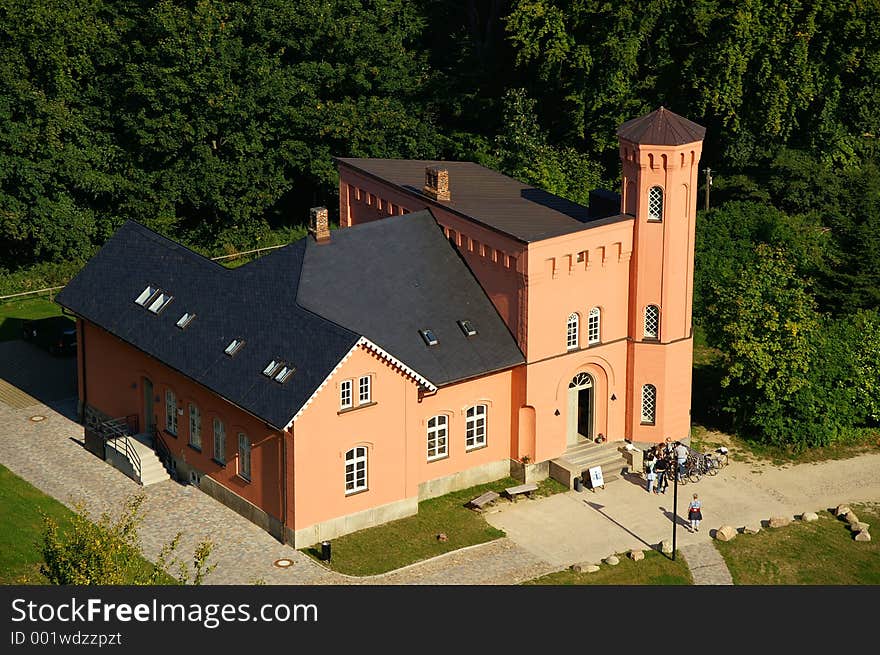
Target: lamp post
[674,508]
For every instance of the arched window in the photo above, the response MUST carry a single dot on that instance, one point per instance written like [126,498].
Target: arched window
[437,437]
[219,441]
[171,412]
[655,203]
[571,337]
[652,322]
[475,427]
[356,470]
[649,404]
[244,456]
[593,325]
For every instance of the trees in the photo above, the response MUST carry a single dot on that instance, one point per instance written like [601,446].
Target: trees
[108,552]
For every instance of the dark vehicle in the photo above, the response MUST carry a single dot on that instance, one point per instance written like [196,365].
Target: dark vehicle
[56,334]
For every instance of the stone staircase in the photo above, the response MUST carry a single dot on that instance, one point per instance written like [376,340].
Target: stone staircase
[152,469]
[586,455]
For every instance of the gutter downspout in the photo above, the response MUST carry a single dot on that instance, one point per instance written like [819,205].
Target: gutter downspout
[284,486]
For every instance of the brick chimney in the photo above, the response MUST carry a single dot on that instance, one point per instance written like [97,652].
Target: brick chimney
[437,183]
[319,224]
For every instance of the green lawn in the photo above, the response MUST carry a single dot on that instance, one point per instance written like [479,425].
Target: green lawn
[412,539]
[14,313]
[21,528]
[655,569]
[819,553]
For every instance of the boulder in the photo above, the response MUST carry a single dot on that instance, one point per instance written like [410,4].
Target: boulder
[725,533]
[841,510]
[809,516]
[752,528]
[779,521]
[666,546]
[612,560]
[636,555]
[584,567]
[851,517]
[859,526]
[863,536]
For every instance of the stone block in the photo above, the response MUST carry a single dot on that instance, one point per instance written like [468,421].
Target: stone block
[636,555]
[809,517]
[851,517]
[779,521]
[752,528]
[841,510]
[612,560]
[863,536]
[859,526]
[666,546]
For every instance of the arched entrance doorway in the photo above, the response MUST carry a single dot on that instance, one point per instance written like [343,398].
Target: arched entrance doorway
[580,409]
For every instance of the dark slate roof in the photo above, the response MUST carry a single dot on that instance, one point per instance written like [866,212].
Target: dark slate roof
[487,197]
[661,128]
[388,279]
[256,302]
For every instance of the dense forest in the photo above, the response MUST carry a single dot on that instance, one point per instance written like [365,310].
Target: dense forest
[215,122]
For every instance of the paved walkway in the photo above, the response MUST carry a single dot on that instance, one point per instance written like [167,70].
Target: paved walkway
[543,535]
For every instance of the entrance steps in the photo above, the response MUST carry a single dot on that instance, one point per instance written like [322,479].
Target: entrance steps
[152,469]
[583,456]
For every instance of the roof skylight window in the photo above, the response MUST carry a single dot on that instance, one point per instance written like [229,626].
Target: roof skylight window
[285,372]
[146,294]
[429,337]
[185,320]
[160,302]
[234,346]
[272,368]
[467,327]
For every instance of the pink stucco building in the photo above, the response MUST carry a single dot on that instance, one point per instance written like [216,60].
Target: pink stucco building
[459,327]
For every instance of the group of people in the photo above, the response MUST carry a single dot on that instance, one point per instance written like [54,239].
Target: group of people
[661,460]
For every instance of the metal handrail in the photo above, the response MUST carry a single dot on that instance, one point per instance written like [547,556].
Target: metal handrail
[117,430]
[162,449]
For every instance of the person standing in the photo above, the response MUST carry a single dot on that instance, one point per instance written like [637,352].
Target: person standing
[662,470]
[695,513]
[650,462]
[681,455]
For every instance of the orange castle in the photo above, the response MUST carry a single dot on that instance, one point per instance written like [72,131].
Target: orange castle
[460,327]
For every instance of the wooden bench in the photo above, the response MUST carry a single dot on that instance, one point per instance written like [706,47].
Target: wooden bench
[481,501]
[527,489]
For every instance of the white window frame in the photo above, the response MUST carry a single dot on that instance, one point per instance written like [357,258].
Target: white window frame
[170,412]
[475,429]
[356,470]
[346,398]
[195,426]
[146,295]
[572,331]
[655,310]
[244,456]
[219,441]
[655,204]
[649,404]
[438,437]
[365,391]
[594,326]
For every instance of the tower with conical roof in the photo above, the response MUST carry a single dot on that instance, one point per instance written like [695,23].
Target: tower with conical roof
[660,153]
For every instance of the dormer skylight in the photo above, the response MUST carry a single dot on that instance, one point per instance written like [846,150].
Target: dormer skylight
[160,301]
[467,327]
[234,346]
[285,372]
[272,368]
[146,294]
[185,320]
[429,337]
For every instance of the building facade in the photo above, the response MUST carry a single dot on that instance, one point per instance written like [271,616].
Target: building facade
[459,326]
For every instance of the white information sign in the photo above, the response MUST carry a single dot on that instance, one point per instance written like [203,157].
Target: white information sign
[596,479]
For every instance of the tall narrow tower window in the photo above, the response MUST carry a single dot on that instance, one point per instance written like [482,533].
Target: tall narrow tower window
[655,203]
[649,404]
[571,336]
[652,322]
[594,326]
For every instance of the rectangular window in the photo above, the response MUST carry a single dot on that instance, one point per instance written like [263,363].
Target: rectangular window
[356,470]
[234,346]
[170,412]
[219,441]
[244,456]
[593,326]
[345,394]
[475,427]
[195,427]
[145,296]
[160,302]
[364,390]
[437,437]
[185,320]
